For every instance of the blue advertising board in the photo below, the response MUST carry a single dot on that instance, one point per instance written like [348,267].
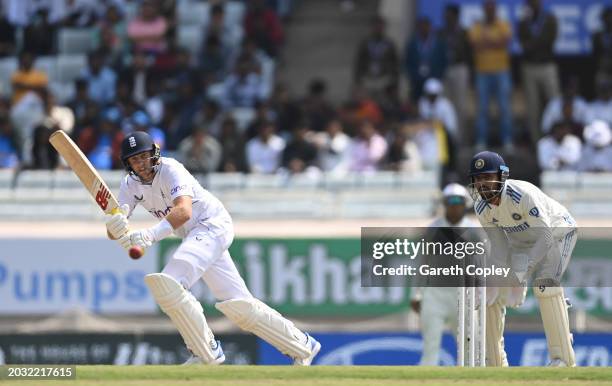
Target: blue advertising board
[577,19]
[523,349]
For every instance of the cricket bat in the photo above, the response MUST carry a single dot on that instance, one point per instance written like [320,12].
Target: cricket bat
[89,177]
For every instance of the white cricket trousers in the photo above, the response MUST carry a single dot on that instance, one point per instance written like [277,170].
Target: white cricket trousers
[438,307]
[204,253]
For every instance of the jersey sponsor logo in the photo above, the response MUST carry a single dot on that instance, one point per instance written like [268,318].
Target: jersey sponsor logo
[518,228]
[102,197]
[141,198]
[534,212]
[160,213]
[516,216]
[177,189]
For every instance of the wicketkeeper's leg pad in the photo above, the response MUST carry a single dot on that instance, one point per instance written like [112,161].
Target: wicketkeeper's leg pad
[254,316]
[185,312]
[555,319]
[495,352]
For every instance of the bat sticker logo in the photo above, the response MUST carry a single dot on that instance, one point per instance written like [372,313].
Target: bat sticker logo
[102,197]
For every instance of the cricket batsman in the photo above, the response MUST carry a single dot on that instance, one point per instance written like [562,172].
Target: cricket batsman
[438,305]
[183,207]
[539,234]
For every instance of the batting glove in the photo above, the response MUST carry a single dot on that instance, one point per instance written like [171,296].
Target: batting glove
[118,223]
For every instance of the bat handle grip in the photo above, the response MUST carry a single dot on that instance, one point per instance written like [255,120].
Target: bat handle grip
[135,252]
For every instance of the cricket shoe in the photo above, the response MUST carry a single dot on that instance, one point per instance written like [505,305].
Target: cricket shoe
[196,360]
[315,347]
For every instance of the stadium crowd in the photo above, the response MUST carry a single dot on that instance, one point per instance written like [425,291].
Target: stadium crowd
[213,102]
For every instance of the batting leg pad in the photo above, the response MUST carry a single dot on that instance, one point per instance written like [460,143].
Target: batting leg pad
[495,352]
[185,312]
[555,319]
[256,317]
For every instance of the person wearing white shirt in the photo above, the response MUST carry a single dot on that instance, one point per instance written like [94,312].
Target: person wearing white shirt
[601,108]
[184,208]
[560,150]
[333,144]
[597,152]
[533,234]
[264,152]
[554,109]
[433,105]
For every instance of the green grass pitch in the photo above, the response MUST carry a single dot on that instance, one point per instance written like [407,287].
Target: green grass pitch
[328,375]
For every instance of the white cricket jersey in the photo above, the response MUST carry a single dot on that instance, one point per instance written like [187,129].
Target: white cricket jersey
[171,181]
[524,210]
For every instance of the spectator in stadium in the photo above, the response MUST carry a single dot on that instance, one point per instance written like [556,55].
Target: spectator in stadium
[367,108]
[40,33]
[602,48]
[82,13]
[567,117]
[43,155]
[140,121]
[262,24]
[230,34]
[62,116]
[263,114]
[80,100]
[200,152]
[102,143]
[457,75]
[490,41]
[100,79]
[9,144]
[559,150]
[425,57]
[244,87]
[332,145]
[112,30]
[264,152]
[433,143]
[601,107]
[148,30]
[233,157]
[554,109]
[185,107]
[376,61]
[317,110]
[136,76]
[210,117]
[88,119]
[391,105]
[213,60]
[597,151]
[537,32]
[434,105]
[367,150]
[154,104]
[181,71]
[300,154]
[27,78]
[8,36]
[285,108]
[260,61]
[403,155]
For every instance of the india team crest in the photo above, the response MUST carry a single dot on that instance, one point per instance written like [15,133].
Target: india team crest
[479,164]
